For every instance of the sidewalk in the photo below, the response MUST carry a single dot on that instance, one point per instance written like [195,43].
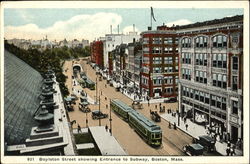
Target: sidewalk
[143,100]
[196,130]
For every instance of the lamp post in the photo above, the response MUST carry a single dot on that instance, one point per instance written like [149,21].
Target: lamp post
[86,119]
[110,119]
[96,91]
[99,110]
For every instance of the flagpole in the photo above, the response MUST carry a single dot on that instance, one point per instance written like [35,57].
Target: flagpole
[151,18]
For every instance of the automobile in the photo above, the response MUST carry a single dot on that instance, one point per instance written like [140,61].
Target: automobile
[96,114]
[83,101]
[193,149]
[206,141]
[171,100]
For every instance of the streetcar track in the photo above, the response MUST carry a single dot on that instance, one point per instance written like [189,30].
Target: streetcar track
[171,143]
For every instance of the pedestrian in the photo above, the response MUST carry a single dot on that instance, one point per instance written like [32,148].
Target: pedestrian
[228,144]
[106,127]
[232,150]
[169,125]
[79,128]
[107,106]
[186,126]
[105,85]
[155,106]
[228,151]
[185,120]
[174,125]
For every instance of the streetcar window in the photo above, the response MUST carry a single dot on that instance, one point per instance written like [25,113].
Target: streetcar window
[157,135]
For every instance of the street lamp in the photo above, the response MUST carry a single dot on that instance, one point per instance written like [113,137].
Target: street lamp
[110,119]
[86,119]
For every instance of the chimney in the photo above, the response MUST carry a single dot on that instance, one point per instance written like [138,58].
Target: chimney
[134,28]
[111,29]
[133,40]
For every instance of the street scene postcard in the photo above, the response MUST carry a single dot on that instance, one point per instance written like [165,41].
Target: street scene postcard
[125,82]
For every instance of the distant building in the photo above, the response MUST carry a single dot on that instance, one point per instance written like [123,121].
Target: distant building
[112,40]
[96,48]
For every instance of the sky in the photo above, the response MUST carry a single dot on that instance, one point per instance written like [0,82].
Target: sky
[92,23]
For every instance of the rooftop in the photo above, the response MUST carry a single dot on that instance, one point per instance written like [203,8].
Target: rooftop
[22,86]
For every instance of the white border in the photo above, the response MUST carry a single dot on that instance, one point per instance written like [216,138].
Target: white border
[139,4]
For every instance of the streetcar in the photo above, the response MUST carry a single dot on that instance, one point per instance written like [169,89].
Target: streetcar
[120,108]
[147,129]
[90,84]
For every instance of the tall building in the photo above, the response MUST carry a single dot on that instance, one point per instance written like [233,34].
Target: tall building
[211,74]
[97,53]
[159,75]
[112,40]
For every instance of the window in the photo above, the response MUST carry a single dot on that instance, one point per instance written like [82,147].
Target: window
[156,40]
[156,69]
[176,79]
[168,40]
[145,69]
[145,40]
[145,60]
[219,80]
[219,41]
[168,80]
[168,69]
[157,60]
[156,50]
[176,60]
[168,90]
[186,58]
[235,107]
[157,80]
[220,60]
[224,104]
[186,42]
[176,49]
[186,74]
[168,49]
[168,60]
[201,59]
[201,41]
[176,40]
[235,83]
[145,50]
[207,98]
[176,68]
[144,80]
[201,77]
[235,63]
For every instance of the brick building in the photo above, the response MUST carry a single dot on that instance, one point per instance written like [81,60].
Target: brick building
[96,48]
[211,74]
[159,75]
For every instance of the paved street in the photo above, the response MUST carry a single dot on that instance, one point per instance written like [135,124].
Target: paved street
[173,140]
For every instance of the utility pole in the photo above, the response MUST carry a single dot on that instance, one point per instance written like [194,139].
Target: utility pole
[99,110]
[96,91]
[110,119]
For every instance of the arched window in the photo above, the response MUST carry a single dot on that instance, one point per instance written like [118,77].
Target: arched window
[219,41]
[186,42]
[201,41]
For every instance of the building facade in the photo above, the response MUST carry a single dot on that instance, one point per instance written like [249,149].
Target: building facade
[112,40]
[211,75]
[97,53]
[159,76]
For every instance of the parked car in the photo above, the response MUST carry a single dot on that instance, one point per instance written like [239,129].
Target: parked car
[207,141]
[96,114]
[193,149]
[171,100]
